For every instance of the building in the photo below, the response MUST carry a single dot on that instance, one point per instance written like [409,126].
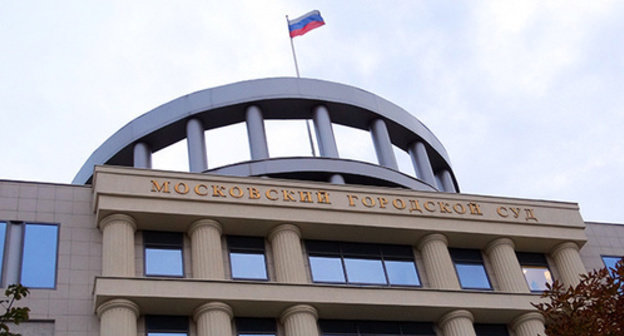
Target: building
[289,246]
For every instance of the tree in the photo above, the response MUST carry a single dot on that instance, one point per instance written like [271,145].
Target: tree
[595,307]
[13,315]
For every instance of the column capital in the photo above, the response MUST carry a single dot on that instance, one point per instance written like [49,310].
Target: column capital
[284,227]
[431,237]
[563,246]
[117,303]
[499,241]
[212,306]
[205,222]
[302,308]
[454,315]
[118,217]
[527,317]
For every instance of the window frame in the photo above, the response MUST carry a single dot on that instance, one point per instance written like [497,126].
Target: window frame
[166,243]
[466,259]
[247,245]
[350,250]
[534,261]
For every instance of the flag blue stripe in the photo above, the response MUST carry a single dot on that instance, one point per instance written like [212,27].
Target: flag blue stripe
[302,22]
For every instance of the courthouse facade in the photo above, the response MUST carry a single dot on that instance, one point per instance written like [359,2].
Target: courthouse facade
[289,246]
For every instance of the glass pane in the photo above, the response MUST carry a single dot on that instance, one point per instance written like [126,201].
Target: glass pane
[402,273]
[404,161]
[354,143]
[237,149]
[289,138]
[248,266]
[2,239]
[365,271]
[326,269]
[39,256]
[610,262]
[537,277]
[174,157]
[472,276]
[166,262]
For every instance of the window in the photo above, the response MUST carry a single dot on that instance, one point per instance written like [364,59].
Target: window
[491,330]
[535,269]
[157,325]
[163,253]
[369,328]
[247,260]
[470,269]
[610,262]
[255,327]
[369,264]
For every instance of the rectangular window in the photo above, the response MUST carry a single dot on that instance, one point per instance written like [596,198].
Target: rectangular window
[39,252]
[470,269]
[158,325]
[535,269]
[247,259]
[491,329]
[610,262]
[255,327]
[369,328]
[163,253]
[368,264]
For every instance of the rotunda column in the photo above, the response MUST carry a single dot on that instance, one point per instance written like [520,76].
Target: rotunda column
[300,320]
[506,267]
[324,132]
[569,264]
[287,254]
[457,323]
[213,319]
[529,324]
[383,144]
[447,181]
[142,155]
[206,249]
[421,163]
[437,261]
[118,245]
[257,136]
[118,317]
[196,145]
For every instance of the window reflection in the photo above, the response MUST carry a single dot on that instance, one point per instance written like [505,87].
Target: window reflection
[39,256]
[470,269]
[610,263]
[163,253]
[326,269]
[247,259]
[365,271]
[537,277]
[3,227]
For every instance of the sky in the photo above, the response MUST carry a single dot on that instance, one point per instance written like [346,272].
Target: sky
[526,96]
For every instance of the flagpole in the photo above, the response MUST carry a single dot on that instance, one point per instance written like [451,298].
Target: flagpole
[292,47]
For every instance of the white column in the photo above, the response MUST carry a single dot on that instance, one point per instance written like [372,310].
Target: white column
[437,260]
[206,249]
[457,323]
[383,145]
[118,317]
[142,155]
[118,245]
[287,254]
[506,267]
[196,146]
[300,320]
[529,324]
[420,160]
[257,136]
[569,264]
[213,319]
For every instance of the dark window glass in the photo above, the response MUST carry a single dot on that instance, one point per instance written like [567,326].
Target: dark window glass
[491,330]
[610,262]
[158,325]
[163,253]
[535,270]
[247,260]
[470,269]
[353,263]
[370,328]
[255,327]
[3,226]
[39,256]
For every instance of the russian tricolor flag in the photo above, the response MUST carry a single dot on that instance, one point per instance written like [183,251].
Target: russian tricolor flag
[305,23]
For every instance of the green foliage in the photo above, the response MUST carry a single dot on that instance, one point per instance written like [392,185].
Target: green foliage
[13,315]
[595,307]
